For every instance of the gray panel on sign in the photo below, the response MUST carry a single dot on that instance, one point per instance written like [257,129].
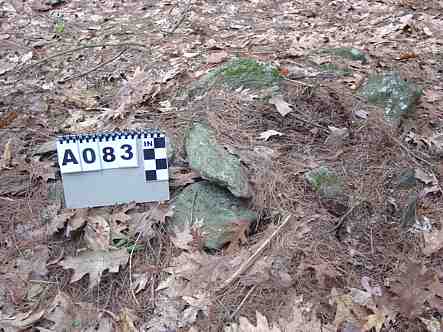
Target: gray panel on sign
[112,186]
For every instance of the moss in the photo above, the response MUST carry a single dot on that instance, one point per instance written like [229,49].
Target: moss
[248,73]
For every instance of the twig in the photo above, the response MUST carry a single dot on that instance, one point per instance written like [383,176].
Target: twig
[242,302]
[93,69]
[72,50]
[182,18]
[411,154]
[298,82]
[309,122]
[247,264]
[342,219]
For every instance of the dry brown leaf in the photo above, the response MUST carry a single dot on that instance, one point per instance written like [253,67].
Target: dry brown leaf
[126,320]
[201,270]
[73,219]
[239,229]
[6,160]
[94,263]
[301,322]
[433,241]
[412,289]
[183,237]
[268,134]
[347,311]
[245,326]
[7,118]
[64,313]
[321,270]
[98,233]
[282,107]
[217,57]
[199,302]
[20,321]
[33,261]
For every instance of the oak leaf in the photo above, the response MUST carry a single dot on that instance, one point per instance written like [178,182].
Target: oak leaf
[282,106]
[95,263]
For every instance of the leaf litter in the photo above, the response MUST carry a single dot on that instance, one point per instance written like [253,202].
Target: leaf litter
[172,282]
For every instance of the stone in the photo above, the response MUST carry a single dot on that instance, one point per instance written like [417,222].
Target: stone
[330,189]
[397,96]
[212,210]
[213,162]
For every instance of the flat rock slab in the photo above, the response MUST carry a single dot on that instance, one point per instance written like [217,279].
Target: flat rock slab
[212,210]
[214,163]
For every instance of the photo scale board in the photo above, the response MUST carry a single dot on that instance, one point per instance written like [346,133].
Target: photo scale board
[113,168]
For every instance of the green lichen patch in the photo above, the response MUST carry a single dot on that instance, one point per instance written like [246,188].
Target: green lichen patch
[248,73]
[397,96]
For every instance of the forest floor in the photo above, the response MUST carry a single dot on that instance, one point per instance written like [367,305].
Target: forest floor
[85,66]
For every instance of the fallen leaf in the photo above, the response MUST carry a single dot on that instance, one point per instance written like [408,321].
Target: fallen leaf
[7,118]
[33,261]
[433,324]
[197,303]
[375,321]
[97,233]
[239,229]
[73,219]
[183,237]
[411,288]
[282,107]
[94,263]
[66,315]
[302,319]
[126,320]
[6,161]
[321,270]
[433,241]
[347,311]
[245,326]
[216,57]
[425,177]
[268,134]
[336,135]
[20,321]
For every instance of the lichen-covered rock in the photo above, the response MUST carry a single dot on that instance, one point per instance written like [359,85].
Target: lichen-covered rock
[248,73]
[212,210]
[397,96]
[213,162]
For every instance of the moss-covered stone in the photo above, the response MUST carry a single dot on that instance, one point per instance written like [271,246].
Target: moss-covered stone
[213,162]
[248,73]
[212,210]
[397,96]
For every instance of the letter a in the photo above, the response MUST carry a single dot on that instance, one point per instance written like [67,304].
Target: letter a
[69,157]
